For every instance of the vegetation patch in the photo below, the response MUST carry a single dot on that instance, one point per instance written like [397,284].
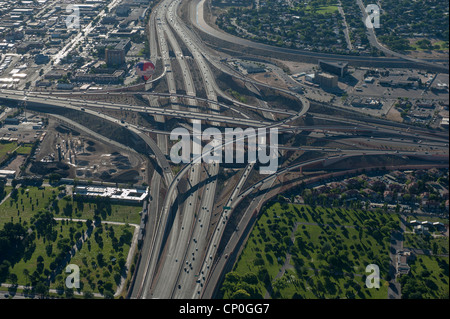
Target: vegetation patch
[300,251]
[40,235]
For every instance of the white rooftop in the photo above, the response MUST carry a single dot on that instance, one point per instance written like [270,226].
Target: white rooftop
[126,194]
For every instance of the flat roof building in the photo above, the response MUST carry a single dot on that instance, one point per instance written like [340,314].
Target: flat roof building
[326,80]
[115,57]
[340,68]
[7,173]
[114,78]
[132,195]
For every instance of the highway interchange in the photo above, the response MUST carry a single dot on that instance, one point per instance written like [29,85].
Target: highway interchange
[179,256]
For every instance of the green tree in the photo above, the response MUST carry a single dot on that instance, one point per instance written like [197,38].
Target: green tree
[240,294]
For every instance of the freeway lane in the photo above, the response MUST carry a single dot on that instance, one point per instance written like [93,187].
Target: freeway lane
[175,252]
[162,281]
[217,268]
[180,235]
[185,96]
[211,249]
[45,100]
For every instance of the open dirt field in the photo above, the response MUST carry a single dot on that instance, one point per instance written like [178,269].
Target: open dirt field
[74,155]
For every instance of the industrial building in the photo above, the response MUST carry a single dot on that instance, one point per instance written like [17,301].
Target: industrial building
[252,68]
[7,174]
[369,103]
[134,195]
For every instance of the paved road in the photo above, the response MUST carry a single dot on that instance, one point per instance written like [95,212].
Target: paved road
[199,22]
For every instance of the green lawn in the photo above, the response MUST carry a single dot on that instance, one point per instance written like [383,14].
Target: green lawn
[32,199]
[443,45]
[24,150]
[325,9]
[327,259]
[95,275]
[112,242]
[5,148]
[29,201]
[85,210]
[30,263]
[428,278]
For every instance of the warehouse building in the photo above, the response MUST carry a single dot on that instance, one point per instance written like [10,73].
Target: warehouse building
[133,195]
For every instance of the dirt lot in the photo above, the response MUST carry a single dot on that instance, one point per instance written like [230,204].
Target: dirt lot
[15,164]
[75,155]
[269,78]
[394,115]
[298,67]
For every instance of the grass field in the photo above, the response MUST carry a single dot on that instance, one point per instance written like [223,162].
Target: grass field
[428,278]
[439,245]
[5,148]
[29,201]
[32,199]
[95,274]
[119,212]
[100,258]
[328,251]
[24,149]
[30,263]
[324,9]
[443,45]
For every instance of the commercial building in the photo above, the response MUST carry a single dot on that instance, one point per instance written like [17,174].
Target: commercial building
[339,68]
[123,10]
[326,80]
[252,67]
[133,195]
[27,46]
[22,11]
[114,57]
[100,78]
[7,174]
[123,44]
[369,103]
[41,59]
[402,266]
[12,121]
[65,86]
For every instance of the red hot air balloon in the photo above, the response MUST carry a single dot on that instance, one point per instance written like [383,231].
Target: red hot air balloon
[145,69]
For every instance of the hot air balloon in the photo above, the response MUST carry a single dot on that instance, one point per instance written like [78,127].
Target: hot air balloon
[145,69]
